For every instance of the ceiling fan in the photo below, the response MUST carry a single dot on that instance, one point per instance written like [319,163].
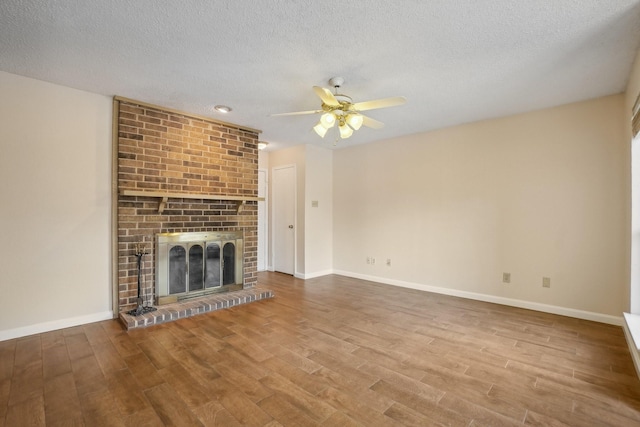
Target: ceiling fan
[340,109]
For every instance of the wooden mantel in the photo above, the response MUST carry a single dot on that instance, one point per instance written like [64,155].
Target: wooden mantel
[165,196]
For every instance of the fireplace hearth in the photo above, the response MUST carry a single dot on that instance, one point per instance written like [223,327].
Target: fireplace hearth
[195,306]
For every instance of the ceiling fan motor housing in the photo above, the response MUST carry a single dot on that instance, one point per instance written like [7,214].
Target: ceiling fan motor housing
[336,82]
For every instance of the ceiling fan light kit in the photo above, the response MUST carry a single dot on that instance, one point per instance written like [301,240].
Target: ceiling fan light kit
[355,120]
[345,131]
[328,120]
[339,108]
[320,130]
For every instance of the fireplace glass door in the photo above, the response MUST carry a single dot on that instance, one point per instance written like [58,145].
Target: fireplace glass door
[212,266]
[192,264]
[177,270]
[199,271]
[229,268]
[196,270]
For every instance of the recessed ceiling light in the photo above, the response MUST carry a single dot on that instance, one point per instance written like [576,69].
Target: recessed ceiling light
[222,109]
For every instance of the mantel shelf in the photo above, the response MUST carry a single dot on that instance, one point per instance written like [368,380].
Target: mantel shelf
[164,197]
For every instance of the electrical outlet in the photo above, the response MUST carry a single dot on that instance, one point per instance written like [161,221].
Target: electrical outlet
[546,282]
[368,260]
[506,277]
[389,262]
[373,260]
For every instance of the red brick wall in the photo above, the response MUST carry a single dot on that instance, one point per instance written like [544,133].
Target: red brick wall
[165,151]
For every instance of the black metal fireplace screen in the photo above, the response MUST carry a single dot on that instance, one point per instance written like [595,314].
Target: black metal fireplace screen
[192,264]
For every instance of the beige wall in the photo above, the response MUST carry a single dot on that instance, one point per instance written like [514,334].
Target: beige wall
[538,194]
[55,186]
[318,219]
[263,160]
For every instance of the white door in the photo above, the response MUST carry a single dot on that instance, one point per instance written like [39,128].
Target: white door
[262,220]
[283,217]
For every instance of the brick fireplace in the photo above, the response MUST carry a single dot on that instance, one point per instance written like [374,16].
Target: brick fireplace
[179,173]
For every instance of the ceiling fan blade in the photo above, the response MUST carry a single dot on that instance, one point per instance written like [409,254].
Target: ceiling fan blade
[379,103]
[371,123]
[298,113]
[326,96]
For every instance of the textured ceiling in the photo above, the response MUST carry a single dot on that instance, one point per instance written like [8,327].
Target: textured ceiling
[456,61]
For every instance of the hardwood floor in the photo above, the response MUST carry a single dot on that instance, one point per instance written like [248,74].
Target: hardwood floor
[331,351]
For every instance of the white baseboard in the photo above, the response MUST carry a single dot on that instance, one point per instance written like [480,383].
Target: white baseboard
[314,275]
[54,325]
[553,309]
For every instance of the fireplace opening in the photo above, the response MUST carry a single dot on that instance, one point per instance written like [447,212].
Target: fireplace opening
[194,264]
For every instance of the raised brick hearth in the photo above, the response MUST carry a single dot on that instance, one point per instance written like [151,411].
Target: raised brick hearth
[180,310]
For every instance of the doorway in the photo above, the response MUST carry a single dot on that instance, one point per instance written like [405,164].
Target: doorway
[284,215]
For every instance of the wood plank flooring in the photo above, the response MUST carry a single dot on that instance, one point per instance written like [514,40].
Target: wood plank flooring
[331,351]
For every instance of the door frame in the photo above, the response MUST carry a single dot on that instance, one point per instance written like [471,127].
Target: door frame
[272,255]
[264,245]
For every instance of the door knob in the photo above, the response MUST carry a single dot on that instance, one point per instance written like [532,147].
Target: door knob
[291,226]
